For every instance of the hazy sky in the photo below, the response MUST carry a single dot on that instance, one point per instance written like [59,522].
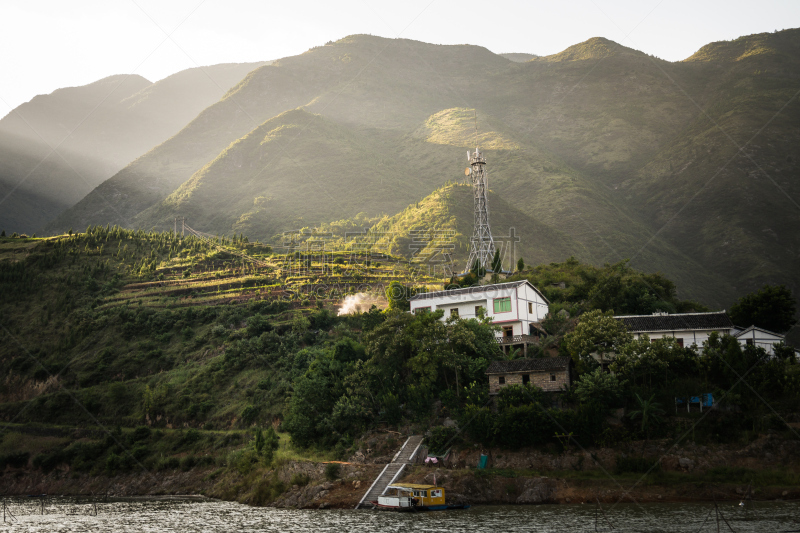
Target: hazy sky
[45,45]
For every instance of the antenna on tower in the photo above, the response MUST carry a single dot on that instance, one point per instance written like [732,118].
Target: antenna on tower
[476,128]
[482,247]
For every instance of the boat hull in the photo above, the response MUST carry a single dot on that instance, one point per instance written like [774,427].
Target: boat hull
[418,508]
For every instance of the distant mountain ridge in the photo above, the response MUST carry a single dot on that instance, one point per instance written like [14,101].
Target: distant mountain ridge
[96,129]
[622,154]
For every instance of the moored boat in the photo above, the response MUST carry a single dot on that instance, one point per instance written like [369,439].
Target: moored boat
[414,497]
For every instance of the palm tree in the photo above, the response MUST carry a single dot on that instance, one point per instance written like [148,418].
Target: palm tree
[513,353]
[649,411]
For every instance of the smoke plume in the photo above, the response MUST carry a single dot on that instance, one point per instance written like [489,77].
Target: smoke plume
[361,302]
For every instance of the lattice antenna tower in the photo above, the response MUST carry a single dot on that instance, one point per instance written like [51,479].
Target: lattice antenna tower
[482,244]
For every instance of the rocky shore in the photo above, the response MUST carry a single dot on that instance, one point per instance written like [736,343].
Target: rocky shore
[513,477]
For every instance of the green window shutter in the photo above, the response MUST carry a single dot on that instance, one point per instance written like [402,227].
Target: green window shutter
[502,305]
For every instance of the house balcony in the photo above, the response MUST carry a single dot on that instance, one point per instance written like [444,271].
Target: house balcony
[517,339]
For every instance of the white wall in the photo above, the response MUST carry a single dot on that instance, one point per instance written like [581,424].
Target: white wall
[762,339]
[465,302]
[689,337]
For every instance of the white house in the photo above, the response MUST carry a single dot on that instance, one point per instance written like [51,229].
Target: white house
[759,337]
[517,307]
[686,328]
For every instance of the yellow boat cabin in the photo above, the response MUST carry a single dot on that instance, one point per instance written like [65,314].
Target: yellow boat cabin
[412,495]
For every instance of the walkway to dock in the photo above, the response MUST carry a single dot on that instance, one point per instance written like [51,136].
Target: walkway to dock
[392,471]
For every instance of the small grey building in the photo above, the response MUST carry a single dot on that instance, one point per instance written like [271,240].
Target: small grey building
[547,373]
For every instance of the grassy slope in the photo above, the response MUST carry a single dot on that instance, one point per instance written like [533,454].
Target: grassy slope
[450,209]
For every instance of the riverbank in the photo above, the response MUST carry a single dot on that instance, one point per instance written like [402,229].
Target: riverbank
[768,468]
[477,487]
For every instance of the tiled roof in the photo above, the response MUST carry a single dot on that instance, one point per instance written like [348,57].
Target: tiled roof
[676,322]
[540,364]
[762,330]
[478,289]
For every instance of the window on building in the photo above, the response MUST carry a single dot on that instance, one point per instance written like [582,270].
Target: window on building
[530,308]
[508,331]
[502,305]
[420,310]
[502,380]
[478,310]
[680,342]
[749,342]
[526,378]
[454,312]
[552,377]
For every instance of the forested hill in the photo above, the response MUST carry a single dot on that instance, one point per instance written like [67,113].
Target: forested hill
[140,352]
[681,167]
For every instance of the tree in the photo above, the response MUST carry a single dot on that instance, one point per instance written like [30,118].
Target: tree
[649,411]
[497,263]
[645,362]
[266,442]
[596,333]
[398,295]
[477,270]
[520,264]
[772,308]
[599,388]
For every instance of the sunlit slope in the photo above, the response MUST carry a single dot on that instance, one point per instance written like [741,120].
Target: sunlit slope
[265,183]
[448,212]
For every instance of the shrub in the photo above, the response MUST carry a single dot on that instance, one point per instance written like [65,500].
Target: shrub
[170,463]
[300,479]
[332,471]
[267,490]
[140,433]
[441,438]
[249,414]
[48,461]
[242,460]
[637,465]
[191,437]
[14,460]
[187,463]
[113,464]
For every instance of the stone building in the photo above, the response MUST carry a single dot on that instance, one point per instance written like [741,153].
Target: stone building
[547,373]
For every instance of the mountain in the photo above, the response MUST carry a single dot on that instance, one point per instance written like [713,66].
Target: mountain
[519,57]
[623,154]
[58,147]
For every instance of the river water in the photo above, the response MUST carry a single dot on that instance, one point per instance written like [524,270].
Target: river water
[164,516]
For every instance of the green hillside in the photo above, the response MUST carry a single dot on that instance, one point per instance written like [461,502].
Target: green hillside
[131,355]
[449,211]
[626,155]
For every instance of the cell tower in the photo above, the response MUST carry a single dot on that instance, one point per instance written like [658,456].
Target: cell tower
[482,244]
